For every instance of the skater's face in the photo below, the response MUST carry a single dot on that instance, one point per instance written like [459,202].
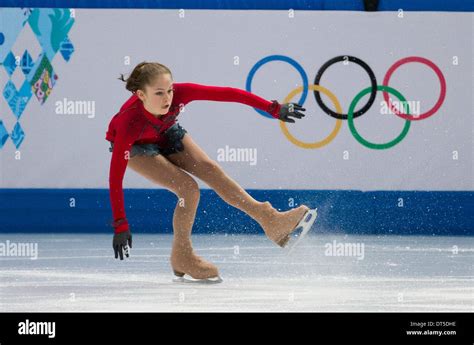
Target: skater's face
[158,95]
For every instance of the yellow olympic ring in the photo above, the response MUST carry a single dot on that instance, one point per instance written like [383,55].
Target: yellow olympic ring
[331,136]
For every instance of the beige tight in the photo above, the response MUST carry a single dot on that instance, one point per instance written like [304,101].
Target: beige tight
[172,172]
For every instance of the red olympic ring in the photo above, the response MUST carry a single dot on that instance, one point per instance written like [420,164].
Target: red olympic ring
[442,93]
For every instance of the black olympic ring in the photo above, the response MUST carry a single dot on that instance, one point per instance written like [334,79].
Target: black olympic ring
[362,64]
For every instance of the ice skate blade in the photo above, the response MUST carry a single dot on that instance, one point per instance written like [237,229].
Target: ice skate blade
[303,227]
[189,280]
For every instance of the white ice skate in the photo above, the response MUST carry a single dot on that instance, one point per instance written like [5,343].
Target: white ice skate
[301,229]
[190,268]
[186,279]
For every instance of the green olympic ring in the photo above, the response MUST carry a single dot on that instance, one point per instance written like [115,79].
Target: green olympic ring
[358,137]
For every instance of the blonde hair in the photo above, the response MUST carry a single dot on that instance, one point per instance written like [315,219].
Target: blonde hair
[143,74]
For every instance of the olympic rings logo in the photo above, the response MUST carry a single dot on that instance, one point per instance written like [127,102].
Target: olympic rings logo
[351,113]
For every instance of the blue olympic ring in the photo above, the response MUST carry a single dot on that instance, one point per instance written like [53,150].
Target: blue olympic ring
[248,84]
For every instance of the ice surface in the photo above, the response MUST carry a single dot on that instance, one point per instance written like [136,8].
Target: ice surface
[77,272]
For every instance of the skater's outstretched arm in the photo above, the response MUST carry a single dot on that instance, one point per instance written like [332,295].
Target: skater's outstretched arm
[125,133]
[189,92]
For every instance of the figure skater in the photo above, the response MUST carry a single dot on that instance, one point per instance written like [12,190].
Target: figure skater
[146,136]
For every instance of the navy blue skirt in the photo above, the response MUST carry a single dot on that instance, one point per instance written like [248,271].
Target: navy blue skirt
[174,136]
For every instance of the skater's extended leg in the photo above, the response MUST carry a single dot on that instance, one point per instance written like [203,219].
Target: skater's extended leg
[195,161]
[161,171]
[277,225]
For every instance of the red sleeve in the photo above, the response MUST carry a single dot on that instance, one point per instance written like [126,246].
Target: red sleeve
[190,92]
[125,136]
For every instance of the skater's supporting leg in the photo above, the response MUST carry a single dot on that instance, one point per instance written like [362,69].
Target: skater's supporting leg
[277,225]
[161,171]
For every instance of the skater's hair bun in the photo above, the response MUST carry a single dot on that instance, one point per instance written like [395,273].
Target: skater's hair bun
[143,74]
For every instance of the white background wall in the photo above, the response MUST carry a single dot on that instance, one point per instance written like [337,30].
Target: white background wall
[70,151]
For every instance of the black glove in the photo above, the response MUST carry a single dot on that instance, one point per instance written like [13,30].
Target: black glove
[121,244]
[290,109]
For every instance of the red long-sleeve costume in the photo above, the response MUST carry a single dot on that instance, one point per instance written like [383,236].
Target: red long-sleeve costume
[133,124]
